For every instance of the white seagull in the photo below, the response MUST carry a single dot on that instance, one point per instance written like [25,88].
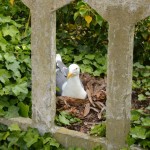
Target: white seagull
[74,87]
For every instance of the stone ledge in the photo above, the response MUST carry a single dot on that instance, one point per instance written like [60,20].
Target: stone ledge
[24,123]
[66,137]
[70,138]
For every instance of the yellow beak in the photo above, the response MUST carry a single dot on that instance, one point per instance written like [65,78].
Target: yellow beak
[69,75]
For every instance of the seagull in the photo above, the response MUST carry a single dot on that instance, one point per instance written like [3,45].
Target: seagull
[61,75]
[74,87]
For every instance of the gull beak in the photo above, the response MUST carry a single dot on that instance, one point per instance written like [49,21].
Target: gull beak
[69,75]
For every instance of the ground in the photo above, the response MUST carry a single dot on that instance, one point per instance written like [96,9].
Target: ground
[92,110]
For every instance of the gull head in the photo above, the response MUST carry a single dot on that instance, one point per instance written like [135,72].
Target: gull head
[58,57]
[74,70]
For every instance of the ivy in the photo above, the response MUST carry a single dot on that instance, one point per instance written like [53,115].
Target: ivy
[140,129]
[15,62]
[141,81]
[13,137]
[64,118]
[82,39]
[139,132]
[99,130]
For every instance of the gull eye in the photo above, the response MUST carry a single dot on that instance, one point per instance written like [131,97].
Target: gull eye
[76,68]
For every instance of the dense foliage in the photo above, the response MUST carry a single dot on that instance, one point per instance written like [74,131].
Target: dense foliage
[13,138]
[81,38]
[140,129]
[139,133]
[15,62]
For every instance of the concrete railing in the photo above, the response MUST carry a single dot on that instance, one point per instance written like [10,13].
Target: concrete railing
[122,15]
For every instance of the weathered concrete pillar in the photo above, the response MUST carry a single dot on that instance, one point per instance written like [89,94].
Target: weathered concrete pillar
[119,83]
[121,16]
[43,49]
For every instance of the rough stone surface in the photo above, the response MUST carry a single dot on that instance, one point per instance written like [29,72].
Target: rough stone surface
[70,138]
[131,10]
[122,15]
[119,83]
[53,5]
[43,46]
[24,123]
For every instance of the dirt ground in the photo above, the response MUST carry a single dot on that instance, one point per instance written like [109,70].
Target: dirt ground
[92,110]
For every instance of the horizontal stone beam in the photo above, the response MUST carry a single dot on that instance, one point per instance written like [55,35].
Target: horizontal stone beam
[70,138]
[24,123]
[51,5]
[131,9]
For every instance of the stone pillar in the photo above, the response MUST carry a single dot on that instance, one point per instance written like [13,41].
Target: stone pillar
[119,83]
[43,49]
[121,16]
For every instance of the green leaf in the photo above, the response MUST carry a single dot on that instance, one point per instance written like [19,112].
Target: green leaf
[138,132]
[14,127]
[100,60]
[146,74]
[3,43]
[145,144]
[31,137]
[146,121]
[141,97]
[6,135]
[86,68]
[78,58]
[86,61]
[12,112]
[23,109]
[90,56]
[83,11]
[138,65]
[5,19]
[14,67]
[8,89]
[9,57]
[135,74]
[3,127]
[10,30]
[12,139]
[2,112]
[130,140]
[54,143]
[99,20]
[63,120]
[46,140]
[96,73]
[20,88]
[4,102]
[80,4]
[1,57]
[135,116]
[4,75]
[76,14]
[147,93]
[99,130]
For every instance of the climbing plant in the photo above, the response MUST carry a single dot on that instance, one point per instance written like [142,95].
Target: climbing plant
[81,38]
[15,65]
